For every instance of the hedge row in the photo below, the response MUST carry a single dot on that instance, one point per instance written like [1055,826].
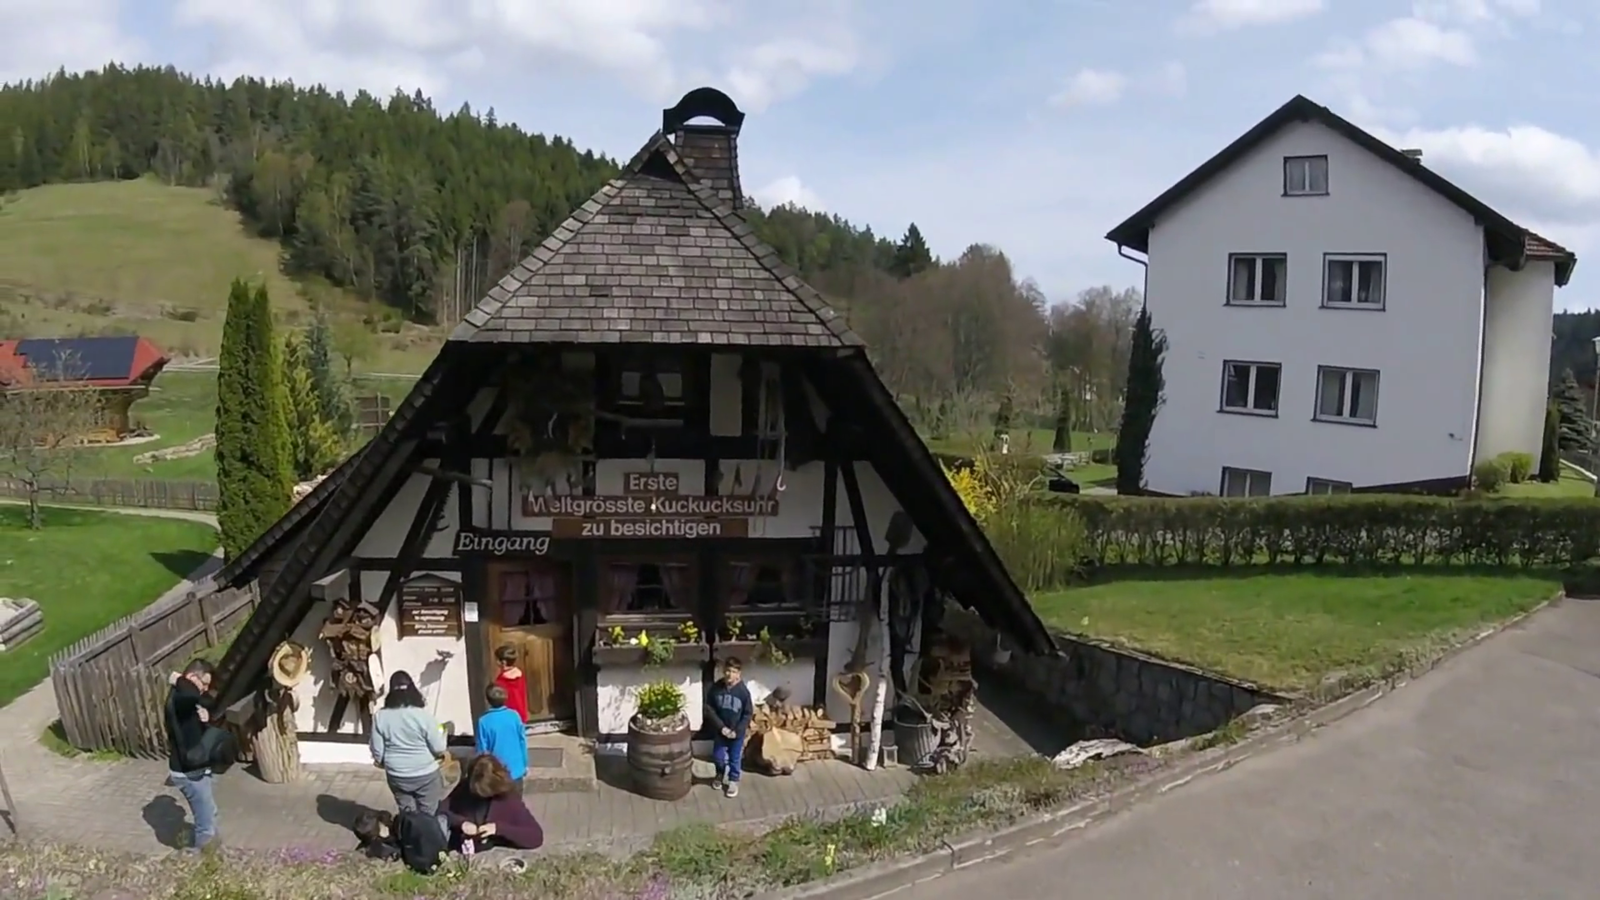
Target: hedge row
[1352,529]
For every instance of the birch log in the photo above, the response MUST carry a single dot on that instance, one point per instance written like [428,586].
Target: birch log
[881,689]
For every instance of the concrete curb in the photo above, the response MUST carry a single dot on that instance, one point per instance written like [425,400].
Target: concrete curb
[893,876]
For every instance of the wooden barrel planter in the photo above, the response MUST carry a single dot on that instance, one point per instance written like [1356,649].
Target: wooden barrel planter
[660,765]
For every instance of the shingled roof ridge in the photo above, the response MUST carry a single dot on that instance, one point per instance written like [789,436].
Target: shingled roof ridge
[506,287]
[764,254]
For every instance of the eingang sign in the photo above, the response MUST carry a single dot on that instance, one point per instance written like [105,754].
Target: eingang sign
[480,543]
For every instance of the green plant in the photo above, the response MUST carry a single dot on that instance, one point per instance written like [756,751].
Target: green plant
[660,700]
[1041,546]
[1518,466]
[616,636]
[253,454]
[733,628]
[775,654]
[316,441]
[1550,452]
[657,649]
[1142,399]
[1352,529]
[689,633]
[1490,475]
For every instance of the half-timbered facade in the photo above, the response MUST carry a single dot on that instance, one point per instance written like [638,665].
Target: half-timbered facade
[650,432]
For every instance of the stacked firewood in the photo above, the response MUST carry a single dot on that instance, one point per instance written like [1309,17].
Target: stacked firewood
[811,724]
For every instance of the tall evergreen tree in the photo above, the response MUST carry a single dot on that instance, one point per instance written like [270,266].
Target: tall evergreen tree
[1141,401]
[316,445]
[333,400]
[254,473]
[1550,452]
[1576,429]
[911,255]
[1062,440]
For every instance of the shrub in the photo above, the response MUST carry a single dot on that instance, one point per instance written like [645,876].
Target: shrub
[1518,466]
[660,700]
[1101,456]
[1490,474]
[1146,389]
[1042,548]
[1351,529]
[255,464]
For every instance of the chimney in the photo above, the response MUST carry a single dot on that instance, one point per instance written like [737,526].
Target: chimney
[1413,153]
[710,150]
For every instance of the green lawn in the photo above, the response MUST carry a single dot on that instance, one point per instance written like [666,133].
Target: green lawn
[1571,484]
[86,570]
[1287,630]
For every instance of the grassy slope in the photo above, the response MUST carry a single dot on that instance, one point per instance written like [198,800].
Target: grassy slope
[1571,484]
[1289,629]
[86,570]
[137,254]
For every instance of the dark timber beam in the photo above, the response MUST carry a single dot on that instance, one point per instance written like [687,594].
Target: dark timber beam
[438,474]
[858,513]
[415,541]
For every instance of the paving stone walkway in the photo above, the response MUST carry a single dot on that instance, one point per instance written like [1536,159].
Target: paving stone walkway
[127,805]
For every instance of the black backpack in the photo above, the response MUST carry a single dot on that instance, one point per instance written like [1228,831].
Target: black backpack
[422,840]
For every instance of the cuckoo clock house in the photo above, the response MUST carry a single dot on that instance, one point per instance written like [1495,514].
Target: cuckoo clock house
[650,447]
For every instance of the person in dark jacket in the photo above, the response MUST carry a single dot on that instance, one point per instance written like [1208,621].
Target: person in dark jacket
[486,810]
[189,758]
[728,709]
[377,834]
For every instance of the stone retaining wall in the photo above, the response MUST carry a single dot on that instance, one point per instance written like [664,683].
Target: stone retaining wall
[1109,692]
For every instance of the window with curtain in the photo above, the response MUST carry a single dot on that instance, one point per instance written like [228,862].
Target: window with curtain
[647,588]
[761,584]
[528,597]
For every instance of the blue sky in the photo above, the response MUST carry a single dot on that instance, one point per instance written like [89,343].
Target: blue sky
[1034,125]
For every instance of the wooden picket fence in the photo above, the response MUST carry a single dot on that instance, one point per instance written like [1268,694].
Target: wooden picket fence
[195,496]
[111,687]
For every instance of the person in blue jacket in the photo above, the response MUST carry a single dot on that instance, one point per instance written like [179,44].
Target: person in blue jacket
[501,734]
[728,709]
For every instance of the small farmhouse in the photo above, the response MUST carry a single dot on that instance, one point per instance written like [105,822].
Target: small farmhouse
[119,370]
[650,446]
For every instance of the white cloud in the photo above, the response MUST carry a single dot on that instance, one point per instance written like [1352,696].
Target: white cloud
[1091,87]
[1172,79]
[786,190]
[655,47]
[1523,167]
[1224,15]
[37,37]
[1408,43]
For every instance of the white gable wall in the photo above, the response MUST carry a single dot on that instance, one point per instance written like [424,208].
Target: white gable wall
[1424,343]
[1516,360]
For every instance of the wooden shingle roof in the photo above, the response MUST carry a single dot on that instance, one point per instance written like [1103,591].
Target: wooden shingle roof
[655,256]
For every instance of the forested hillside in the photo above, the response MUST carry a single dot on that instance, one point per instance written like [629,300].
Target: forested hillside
[421,210]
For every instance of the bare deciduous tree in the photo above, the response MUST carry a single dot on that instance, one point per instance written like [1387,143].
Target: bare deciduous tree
[45,412]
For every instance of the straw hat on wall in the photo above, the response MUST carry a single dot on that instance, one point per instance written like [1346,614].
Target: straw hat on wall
[290,664]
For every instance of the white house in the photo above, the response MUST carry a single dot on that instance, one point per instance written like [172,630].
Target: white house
[1338,317]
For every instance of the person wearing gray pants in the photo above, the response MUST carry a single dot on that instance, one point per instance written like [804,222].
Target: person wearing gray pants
[408,744]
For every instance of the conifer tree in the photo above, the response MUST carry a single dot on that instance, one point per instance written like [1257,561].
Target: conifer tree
[1141,401]
[1550,453]
[254,474]
[1576,431]
[333,400]
[911,255]
[317,445]
[1062,440]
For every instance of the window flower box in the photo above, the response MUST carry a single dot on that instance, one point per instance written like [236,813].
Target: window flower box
[617,647]
[788,649]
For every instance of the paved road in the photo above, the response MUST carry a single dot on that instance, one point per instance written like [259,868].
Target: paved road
[1480,780]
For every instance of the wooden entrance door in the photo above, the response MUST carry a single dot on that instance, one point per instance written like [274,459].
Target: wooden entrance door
[530,608]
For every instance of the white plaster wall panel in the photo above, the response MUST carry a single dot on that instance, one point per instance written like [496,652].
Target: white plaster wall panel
[798,675]
[388,531]
[1516,359]
[1424,343]
[438,665]
[617,694]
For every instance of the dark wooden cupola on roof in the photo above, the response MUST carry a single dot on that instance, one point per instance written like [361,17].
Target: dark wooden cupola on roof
[661,255]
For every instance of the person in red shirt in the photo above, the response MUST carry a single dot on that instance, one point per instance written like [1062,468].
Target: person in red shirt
[511,679]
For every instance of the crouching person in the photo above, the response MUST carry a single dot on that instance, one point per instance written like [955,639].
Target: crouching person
[486,810]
